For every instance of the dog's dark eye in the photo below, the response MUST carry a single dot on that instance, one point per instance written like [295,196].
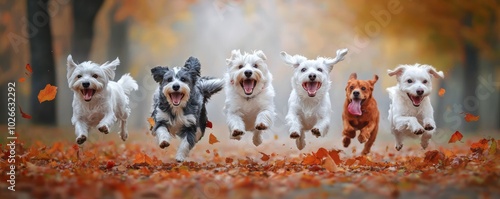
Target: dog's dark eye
[303,70]
[363,88]
[352,87]
[409,81]
[169,79]
[183,79]
[240,66]
[425,81]
[78,76]
[255,66]
[94,76]
[320,69]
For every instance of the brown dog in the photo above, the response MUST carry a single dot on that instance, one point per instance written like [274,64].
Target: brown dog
[360,112]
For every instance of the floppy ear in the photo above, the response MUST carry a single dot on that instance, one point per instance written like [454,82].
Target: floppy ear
[293,61]
[260,54]
[398,71]
[158,73]
[340,56]
[109,68]
[374,80]
[234,55]
[194,66]
[435,73]
[71,66]
[353,76]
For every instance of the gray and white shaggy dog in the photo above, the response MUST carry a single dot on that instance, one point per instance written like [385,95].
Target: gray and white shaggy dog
[179,104]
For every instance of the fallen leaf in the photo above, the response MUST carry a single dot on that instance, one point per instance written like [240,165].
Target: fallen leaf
[470,117]
[275,137]
[457,136]
[142,159]
[334,154]
[47,94]
[264,157]
[434,157]
[310,159]
[110,164]
[329,164]
[441,92]
[151,122]
[480,146]
[209,124]
[28,68]
[208,151]
[229,160]
[24,115]
[22,79]
[493,147]
[212,139]
[322,152]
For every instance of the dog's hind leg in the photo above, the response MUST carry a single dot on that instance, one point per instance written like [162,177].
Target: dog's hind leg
[371,140]
[348,133]
[257,138]
[424,142]
[123,130]
[399,138]
[301,141]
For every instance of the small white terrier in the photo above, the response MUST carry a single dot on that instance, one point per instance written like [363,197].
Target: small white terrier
[98,101]
[309,104]
[411,113]
[249,95]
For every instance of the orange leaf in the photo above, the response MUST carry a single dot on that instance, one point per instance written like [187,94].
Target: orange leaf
[151,122]
[480,146]
[212,139]
[434,156]
[229,160]
[208,151]
[334,154]
[142,159]
[24,115]
[264,157]
[322,152]
[441,92]
[47,94]
[350,162]
[28,68]
[209,124]
[329,164]
[457,136]
[471,118]
[22,79]
[309,159]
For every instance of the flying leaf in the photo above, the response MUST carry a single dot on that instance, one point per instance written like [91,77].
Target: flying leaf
[212,139]
[493,147]
[22,79]
[470,117]
[441,92]
[457,136]
[47,94]
[142,159]
[329,164]
[264,157]
[24,115]
[28,68]
[151,122]
[209,124]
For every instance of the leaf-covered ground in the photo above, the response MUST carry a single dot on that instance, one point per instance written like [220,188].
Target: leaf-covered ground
[231,169]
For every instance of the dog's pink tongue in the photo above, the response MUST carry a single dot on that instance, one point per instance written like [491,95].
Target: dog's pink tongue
[416,100]
[312,88]
[87,94]
[176,98]
[355,107]
[248,86]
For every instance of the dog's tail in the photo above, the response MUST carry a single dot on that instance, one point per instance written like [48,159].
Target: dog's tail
[128,83]
[209,86]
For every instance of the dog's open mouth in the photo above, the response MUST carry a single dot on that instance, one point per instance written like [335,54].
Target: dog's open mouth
[248,85]
[355,107]
[311,88]
[416,100]
[176,98]
[88,93]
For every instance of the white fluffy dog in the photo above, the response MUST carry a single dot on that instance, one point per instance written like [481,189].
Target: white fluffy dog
[410,112]
[98,101]
[309,104]
[249,95]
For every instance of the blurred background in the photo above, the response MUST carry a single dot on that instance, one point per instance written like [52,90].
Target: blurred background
[461,38]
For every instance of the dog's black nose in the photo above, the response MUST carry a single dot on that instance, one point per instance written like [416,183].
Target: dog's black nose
[176,87]
[85,84]
[248,73]
[420,92]
[312,76]
[355,93]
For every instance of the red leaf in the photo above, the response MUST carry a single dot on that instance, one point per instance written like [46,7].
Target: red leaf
[110,164]
[209,124]
[334,154]
[322,152]
[24,115]
[28,68]
[22,79]
[471,118]
[264,157]
[457,136]
[479,147]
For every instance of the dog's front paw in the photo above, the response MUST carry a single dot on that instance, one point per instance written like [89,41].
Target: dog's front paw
[419,131]
[399,147]
[346,141]
[429,127]
[123,135]
[81,139]
[362,138]
[103,129]
[315,132]
[164,144]
[294,135]
[237,134]
[261,127]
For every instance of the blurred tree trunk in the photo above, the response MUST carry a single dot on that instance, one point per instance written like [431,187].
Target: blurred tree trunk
[84,13]
[471,75]
[118,43]
[42,61]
